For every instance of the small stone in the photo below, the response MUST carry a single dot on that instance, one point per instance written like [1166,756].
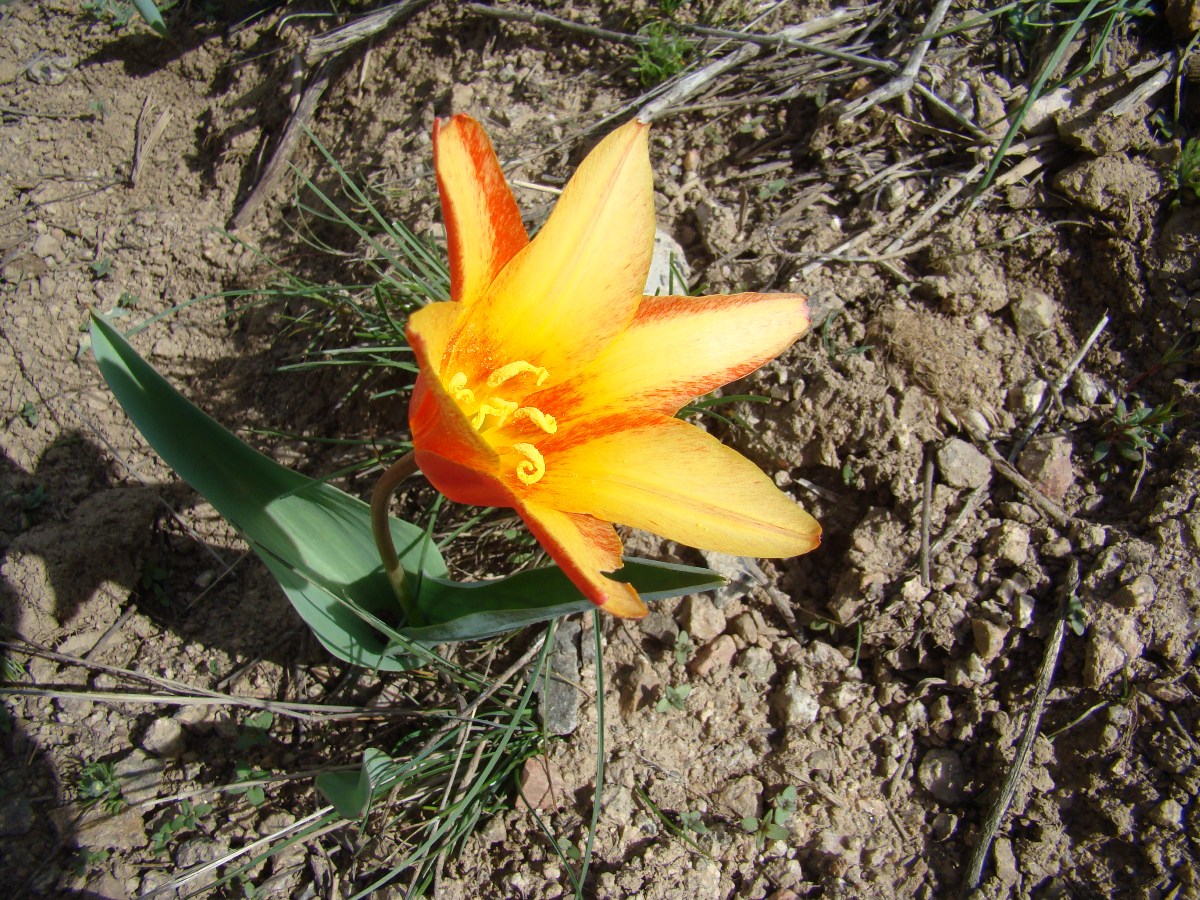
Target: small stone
[1033,313]
[1046,461]
[1006,861]
[164,738]
[541,784]
[1058,548]
[795,706]
[123,831]
[1025,398]
[1138,593]
[1087,388]
[758,664]
[822,656]
[743,625]
[199,719]
[989,638]
[1168,814]
[140,776]
[943,826]
[742,797]
[661,626]
[1112,645]
[558,696]
[717,654]
[195,851]
[941,773]
[669,270]
[701,620]
[47,245]
[1010,543]
[16,816]
[962,466]
[1022,610]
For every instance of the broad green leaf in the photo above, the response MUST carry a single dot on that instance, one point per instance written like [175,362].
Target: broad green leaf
[150,12]
[317,541]
[351,792]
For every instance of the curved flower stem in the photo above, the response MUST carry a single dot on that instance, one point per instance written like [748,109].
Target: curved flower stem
[380,498]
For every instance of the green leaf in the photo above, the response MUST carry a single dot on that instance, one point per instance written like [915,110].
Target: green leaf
[152,15]
[351,792]
[317,540]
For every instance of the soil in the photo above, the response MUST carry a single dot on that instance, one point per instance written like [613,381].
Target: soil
[892,705]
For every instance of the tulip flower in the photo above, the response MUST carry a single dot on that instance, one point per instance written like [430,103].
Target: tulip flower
[549,384]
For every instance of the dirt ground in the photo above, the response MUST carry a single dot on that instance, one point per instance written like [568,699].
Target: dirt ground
[892,705]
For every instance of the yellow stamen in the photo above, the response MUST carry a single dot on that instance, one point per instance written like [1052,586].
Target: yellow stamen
[459,390]
[533,467]
[493,406]
[547,423]
[513,369]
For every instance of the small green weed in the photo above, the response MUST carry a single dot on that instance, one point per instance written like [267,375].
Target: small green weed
[674,697]
[86,859]
[683,649]
[243,771]
[101,268]
[154,582]
[662,56]
[1184,178]
[97,783]
[693,822]
[187,819]
[254,730]
[772,826]
[1132,432]
[30,414]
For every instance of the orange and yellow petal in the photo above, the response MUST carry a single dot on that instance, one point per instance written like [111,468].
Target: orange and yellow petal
[663,475]
[483,224]
[679,348]
[578,284]
[585,547]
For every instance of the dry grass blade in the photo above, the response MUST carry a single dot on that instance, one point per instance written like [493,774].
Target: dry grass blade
[146,136]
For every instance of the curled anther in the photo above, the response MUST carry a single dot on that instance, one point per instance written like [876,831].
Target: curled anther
[531,469]
[513,369]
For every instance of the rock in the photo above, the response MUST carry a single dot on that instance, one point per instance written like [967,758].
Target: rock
[1025,398]
[1087,388]
[640,690]
[200,719]
[16,816]
[742,797]
[742,574]
[962,466]
[1137,593]
[822,656]
[541,784]
[1034,313]
[164,738]
[46,245]
[1112,644]
[558,697]
[717,654]
[1184,17]
[123,831]
[1167,814]
[744,626]
[140,776]
[701,620]
[989,638]
[795,706]
[1006,861]
[758,664]
[196,851]
[1111,185]
[941,773]
[669,269]
[660,625]
[1010,543]
[1046,461]
[943,826]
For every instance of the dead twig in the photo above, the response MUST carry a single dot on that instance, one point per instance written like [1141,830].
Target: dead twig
[515,14]
[926,504]
[346,36]
[1033,718]
[905,81]
[1056,389]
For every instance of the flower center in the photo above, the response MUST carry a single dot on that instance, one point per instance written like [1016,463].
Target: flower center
[489,412]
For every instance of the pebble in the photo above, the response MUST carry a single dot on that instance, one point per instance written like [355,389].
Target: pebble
[141,776]
[717,654]
[123,831]
[164,738]
[743,625]
[941,773]
[1033,313]
[1026,397]
[1006,861]
[758,664]
[701,620]
[1046,461]
[943,826]
[1112,645]
[16,816]
[47,245]
[989,638]
[558,697]
[822,655]
[1168,814]
[962,466]
[1087,388]
[541,784]
[742,796]
[669,270]
[1137,593]
[1010,543]
[796,706]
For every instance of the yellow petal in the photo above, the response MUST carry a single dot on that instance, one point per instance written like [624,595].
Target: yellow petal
[666,476]
[585,547]
[483,225]
[579,282]
[681,347]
